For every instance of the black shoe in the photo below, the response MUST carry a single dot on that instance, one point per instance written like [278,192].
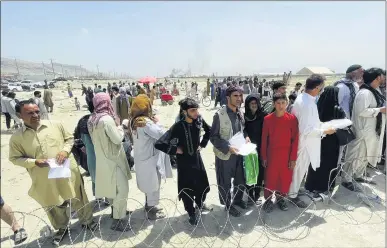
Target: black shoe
[282,205]
[268,206]
[360,180]
[102,202]
[193,220]
[299,203]
[93,226]
[349,185]
[233,211]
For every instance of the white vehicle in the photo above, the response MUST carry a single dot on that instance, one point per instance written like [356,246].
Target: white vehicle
[14,87]
[27,85]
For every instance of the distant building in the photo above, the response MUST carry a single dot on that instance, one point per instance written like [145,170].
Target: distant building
[315,70]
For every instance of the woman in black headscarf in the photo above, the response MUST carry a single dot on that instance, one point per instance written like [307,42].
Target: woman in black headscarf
[323,179]
[254,116]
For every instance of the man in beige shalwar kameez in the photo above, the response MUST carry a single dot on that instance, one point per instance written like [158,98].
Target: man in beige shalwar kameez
[30,147]
[112,168]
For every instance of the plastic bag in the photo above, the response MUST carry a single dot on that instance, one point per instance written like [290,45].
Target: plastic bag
[251,168]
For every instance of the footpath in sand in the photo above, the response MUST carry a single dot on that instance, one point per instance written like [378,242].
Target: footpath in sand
[345,222]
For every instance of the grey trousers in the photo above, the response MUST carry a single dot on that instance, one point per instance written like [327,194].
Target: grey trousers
[225,171]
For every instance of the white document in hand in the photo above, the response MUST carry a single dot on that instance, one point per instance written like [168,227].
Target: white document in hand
[237,140]
[59,171]
[336,124]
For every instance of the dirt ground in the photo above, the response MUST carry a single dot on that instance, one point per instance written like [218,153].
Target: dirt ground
[346,221]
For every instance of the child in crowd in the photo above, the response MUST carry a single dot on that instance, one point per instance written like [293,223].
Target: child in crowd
[278,152]
[77,104]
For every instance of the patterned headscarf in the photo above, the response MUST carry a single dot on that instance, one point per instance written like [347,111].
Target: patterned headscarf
[140,110]
[102,107]
[123,95]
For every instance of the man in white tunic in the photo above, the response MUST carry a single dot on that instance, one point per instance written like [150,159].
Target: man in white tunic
[151,165]
[348,88]
[305,109]
[368,117]
[38,100]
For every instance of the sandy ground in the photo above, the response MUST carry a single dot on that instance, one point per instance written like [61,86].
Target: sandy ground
[344,222]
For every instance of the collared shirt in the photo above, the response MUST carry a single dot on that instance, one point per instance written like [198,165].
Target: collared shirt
[26,145]
[345,97]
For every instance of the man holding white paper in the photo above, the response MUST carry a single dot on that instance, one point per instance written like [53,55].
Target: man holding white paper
[369,120]
[227,122]
[310,134]
[31,147]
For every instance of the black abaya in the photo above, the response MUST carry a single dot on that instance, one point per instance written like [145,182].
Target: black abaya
[323,179]
[326,174]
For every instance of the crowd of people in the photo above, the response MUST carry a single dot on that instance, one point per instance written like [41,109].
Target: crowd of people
[290,144]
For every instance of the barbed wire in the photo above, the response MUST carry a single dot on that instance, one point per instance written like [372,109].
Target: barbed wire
[260,224]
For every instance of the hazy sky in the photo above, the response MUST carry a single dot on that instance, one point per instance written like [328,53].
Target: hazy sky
[152,38]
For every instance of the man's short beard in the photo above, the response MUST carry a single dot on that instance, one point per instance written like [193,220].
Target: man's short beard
[190,117]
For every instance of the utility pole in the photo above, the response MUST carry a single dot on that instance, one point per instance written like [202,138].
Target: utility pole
[81,70]
[17,68]
[53,70]
[97,72]
[75,71]
[44,70]
[62,70]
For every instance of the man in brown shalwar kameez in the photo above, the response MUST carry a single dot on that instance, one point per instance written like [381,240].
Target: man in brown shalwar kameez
[47,98]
